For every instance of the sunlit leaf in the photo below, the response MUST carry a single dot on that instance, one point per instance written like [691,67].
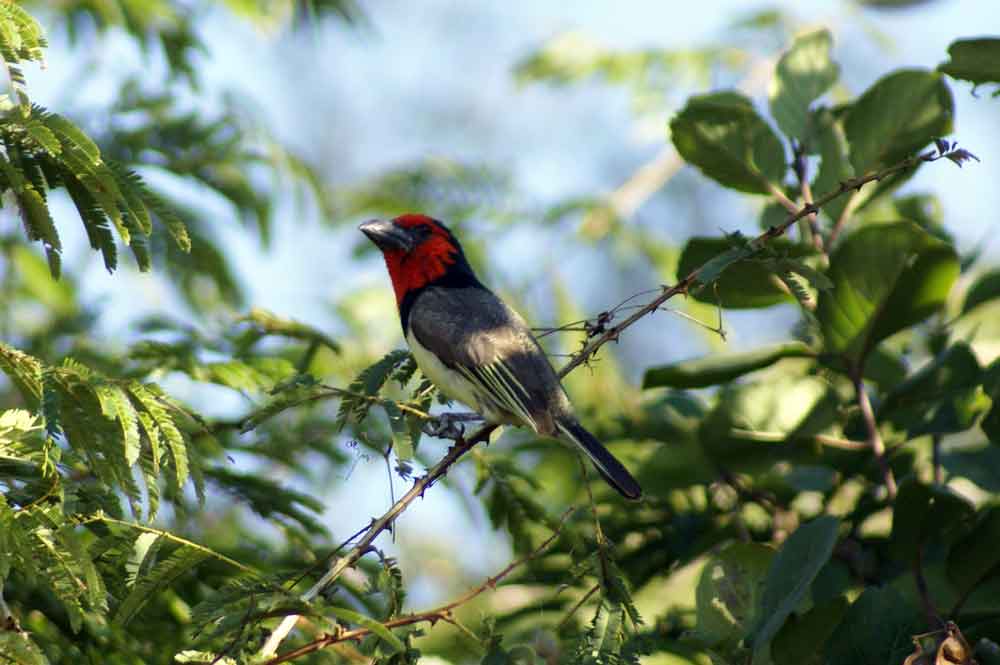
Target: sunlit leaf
[723,135]
[803,73]
[720,368]
[886,277]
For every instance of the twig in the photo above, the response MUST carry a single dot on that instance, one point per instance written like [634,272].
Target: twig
[420,486]
[874,438]
[934,620]
[936,459]
[602,544]
[800,167]
[442,613]
[584,355]
[684,285]
[577,605]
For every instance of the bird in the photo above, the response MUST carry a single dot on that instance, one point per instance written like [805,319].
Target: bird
[472,345]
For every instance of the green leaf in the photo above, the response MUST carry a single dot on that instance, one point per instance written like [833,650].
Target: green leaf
[980,464]
[728,594]
[803,73]
[886,278]
[984,289]
[835,163]
[738,283]
[160,577]
[900,114]
[789,577]
[354,407]
[115,405]
[38,222]
[721,368]
[152,400]
[754,425]
[943,397]
[970,559]
[375,627]
[923,513]
[875,630]
[991,385]
[976,60]
[21,649]
[800,641]
[723,135]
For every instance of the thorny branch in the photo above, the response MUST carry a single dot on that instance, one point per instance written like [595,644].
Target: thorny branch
[608,333]
[442,613]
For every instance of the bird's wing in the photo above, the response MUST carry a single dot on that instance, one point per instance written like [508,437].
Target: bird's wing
[474,333]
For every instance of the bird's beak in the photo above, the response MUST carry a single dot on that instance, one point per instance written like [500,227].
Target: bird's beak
[387,236]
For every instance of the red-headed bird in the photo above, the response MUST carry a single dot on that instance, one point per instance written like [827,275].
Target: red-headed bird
[475,348]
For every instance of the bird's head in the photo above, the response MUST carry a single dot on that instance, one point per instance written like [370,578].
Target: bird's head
[418,250]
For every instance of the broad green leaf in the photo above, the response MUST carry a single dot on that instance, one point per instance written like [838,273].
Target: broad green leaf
[970,559]
[732,280]
[723,135]
[789,577]
[753,425]
[800,641]
[941,398]
[926,513]
[727,598]
[925,210]
[984,289]
[900,114]
[980,464]
[875,630]
[378,629]
[721,368]
[803,73]
[886,277]
[976,60]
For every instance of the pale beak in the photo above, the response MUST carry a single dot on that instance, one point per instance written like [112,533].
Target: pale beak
[387,236]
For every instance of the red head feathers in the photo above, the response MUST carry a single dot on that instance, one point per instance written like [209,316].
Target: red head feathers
[418,250]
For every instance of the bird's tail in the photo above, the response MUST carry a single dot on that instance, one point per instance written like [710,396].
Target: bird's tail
[610,468]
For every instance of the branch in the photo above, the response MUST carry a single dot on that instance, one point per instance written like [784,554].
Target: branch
[874,438]
[463,445]
[420,486]
[800,167]
[442,613]
[684,285]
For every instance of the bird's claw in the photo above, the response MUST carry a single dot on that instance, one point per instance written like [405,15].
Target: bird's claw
[448,425]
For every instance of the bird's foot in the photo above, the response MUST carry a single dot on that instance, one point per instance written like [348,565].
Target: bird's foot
[449,425]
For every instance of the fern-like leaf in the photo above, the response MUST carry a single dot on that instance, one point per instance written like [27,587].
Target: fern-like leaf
[354,408]
[161,576]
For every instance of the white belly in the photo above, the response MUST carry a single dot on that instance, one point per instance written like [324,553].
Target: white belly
[451,383]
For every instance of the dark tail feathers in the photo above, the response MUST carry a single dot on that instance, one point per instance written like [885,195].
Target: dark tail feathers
[610,468]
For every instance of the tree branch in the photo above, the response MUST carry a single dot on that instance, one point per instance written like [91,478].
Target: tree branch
[442,613]
[463,445]
[874,438]
[684,285]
